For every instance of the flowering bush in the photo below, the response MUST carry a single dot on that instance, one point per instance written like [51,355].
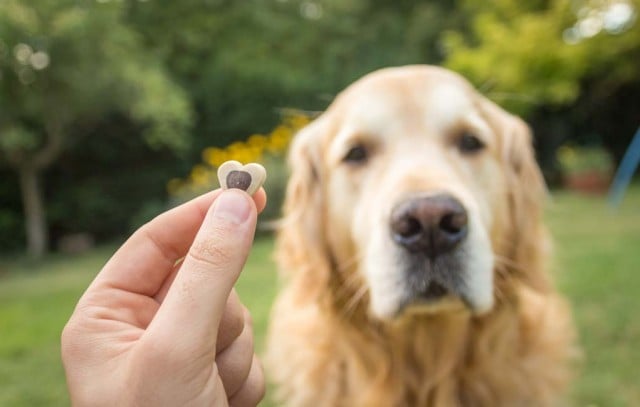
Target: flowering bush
[267,149]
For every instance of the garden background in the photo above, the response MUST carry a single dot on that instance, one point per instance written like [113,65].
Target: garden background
[114,110]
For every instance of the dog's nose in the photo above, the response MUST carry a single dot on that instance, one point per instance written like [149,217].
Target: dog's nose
[433,225]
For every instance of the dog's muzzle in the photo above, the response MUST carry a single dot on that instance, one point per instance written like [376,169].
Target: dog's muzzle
[429,229]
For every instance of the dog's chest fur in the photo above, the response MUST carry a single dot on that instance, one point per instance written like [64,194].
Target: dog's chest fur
[452,360]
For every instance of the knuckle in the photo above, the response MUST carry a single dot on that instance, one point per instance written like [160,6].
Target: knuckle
[248,341]
[248,319]
[232,326]
[257,384]
[261,391]
[236,325]
[243,345]
[261,386]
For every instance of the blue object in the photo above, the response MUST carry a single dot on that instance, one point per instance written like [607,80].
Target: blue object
[625,172]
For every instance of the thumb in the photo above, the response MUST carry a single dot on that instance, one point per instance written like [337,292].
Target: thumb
[195,302]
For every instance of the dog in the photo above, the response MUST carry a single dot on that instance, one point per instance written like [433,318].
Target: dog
[413,255]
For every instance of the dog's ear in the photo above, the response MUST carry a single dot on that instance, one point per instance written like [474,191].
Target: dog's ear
[301,246]
[527,242]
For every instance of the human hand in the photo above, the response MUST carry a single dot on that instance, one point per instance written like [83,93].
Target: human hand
[156,330]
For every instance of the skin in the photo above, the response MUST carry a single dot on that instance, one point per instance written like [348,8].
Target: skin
[161,323]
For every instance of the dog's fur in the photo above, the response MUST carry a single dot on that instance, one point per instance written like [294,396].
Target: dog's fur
[346,329]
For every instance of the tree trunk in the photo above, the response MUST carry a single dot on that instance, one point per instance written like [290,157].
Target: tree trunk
[35,220]
[29,167]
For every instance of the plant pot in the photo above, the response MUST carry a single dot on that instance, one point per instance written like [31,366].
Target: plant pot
[591,182]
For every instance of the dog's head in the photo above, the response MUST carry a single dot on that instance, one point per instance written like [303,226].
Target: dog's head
[412,192]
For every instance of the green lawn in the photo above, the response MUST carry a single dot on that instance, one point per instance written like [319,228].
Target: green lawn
[597,253]
[597,266]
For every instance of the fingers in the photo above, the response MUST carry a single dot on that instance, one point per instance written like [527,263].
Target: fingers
[252,390]
[232,322]
[147,258]
[196,300]
[234,362]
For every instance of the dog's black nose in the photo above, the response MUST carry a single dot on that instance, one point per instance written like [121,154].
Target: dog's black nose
[432,225]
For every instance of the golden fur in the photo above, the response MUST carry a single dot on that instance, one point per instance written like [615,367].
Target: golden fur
[327,348]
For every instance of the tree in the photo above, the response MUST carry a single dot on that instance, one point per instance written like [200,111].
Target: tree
[64,65]
[544,49]
[241,60]
[570,66]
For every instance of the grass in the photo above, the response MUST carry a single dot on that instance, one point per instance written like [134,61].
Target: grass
[597,267]
[35,301]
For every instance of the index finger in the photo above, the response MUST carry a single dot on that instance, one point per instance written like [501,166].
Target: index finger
[148,257]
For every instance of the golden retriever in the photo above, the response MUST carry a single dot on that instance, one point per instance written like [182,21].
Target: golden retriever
[413,255]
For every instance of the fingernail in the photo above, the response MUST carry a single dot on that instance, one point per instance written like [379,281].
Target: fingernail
[232,206]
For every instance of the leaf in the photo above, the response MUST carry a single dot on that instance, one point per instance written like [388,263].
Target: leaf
[17,139]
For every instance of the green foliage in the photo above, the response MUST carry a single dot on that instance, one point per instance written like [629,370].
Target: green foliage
[161,105]
[17,138]
[106,185]
[241,61]
[12,229]
[584,159]
[529,55]
[570,68]
[65,63]
[65,66]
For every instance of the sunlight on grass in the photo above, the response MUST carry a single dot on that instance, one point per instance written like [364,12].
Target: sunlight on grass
[596,266]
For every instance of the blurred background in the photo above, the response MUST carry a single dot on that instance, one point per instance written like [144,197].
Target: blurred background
[112,111]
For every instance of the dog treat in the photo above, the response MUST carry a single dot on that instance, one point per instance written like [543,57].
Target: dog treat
[233,174]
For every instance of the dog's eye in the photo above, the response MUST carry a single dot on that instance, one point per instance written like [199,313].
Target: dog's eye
[356,155]
[469,143]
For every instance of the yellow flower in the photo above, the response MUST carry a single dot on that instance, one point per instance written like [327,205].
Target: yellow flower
[200,176]
[252,150]
[297,120]
[254,154]
[234,147]
[214,156]
[279,139]
[281,131]
[257,141]
[174,186]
